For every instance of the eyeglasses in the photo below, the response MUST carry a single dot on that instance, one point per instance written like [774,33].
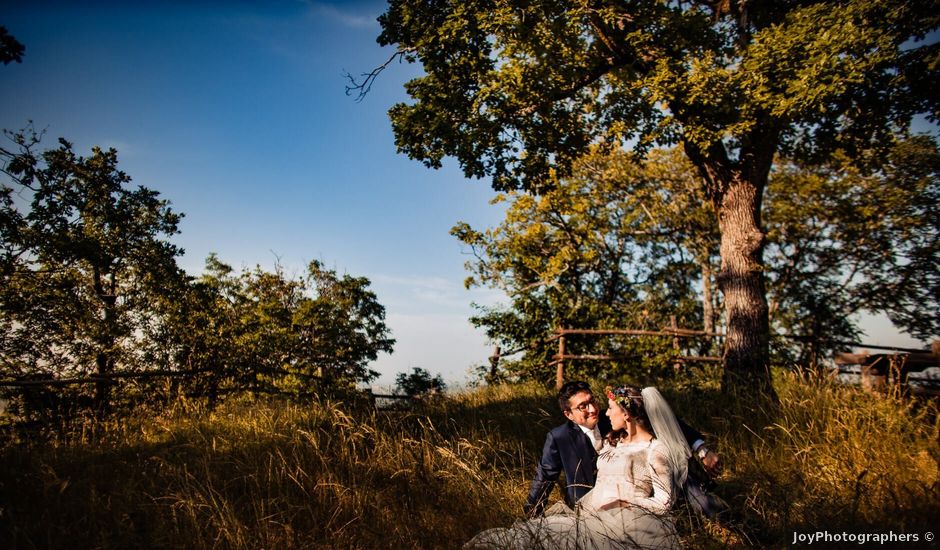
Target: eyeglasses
[583,407]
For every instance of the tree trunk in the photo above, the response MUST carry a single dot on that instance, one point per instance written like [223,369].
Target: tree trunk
[104,359]
[741,281]
[103,387]
[736,189]
[708,307]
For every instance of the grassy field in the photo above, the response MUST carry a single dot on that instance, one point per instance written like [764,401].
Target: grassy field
[261,474]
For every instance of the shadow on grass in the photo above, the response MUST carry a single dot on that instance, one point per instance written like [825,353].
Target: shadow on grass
[324,474]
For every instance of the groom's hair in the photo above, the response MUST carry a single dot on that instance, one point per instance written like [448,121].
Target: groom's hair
[569,389]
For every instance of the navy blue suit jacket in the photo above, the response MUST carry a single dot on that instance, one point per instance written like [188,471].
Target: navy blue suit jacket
[567,449]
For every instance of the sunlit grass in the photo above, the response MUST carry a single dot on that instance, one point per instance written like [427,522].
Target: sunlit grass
[263,474]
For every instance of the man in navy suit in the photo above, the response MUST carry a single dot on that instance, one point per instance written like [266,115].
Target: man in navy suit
[572,448]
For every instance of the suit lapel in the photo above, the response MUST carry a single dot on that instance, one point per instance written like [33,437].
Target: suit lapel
[582,445]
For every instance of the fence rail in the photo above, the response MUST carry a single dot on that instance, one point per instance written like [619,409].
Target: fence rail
[916,359]
[95,379]
[672,331]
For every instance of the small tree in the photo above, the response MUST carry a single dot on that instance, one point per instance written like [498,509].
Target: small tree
[199,331]
[342,328]
[419,382]
[264,331]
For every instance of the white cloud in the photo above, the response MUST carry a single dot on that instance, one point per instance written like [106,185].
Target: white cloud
[430,294]
[345,18]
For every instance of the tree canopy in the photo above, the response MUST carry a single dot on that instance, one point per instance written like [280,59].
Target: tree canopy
[83,257]
[10,48]
[517,90]
[842,241]
[91,288]
[623,243]
[618,244]
[267,332]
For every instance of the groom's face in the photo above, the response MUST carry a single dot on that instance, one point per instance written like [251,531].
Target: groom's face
[582,409]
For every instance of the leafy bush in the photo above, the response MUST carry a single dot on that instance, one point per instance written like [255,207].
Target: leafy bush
[419,382]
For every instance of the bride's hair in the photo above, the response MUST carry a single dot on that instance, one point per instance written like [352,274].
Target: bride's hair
[629,399]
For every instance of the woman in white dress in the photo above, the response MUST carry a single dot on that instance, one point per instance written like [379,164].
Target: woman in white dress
[642,463]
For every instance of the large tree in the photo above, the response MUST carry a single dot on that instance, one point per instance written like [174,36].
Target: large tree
[516,90]
[621,239]
[83,257]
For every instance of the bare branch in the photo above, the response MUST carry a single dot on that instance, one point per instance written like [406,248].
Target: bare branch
[361,88]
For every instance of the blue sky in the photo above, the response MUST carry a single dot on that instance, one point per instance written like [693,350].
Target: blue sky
[237,113]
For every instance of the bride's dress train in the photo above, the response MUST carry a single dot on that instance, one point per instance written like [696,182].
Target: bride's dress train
[628,508]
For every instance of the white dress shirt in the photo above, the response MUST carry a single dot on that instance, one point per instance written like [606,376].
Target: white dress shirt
[594,435]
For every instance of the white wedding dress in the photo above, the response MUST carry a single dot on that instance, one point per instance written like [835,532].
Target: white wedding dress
[637,475]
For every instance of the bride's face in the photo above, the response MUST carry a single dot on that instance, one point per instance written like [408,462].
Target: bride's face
[618,417]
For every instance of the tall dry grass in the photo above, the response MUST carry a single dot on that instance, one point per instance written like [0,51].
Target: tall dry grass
[827,456]
[256,474]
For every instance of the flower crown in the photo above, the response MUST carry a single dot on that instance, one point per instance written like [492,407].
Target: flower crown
[619,395]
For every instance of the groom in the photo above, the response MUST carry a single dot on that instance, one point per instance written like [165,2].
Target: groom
[573,446]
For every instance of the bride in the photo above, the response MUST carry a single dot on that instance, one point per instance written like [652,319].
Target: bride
[642,463]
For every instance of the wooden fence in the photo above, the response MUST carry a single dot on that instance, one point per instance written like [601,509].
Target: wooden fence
[376,399]
[894,371]
[672,331]
[94,379]
[878,370]
[560,335]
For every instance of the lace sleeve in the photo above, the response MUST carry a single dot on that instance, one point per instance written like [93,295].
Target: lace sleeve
[660,471]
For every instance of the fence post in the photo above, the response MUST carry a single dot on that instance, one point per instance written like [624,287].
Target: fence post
[560,372]
[494,364]
[871,380]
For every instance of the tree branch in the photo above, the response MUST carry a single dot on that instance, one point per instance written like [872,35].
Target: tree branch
[361,88]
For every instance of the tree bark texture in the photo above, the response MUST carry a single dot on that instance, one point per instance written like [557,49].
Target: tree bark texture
[708,307]
[741,281]
[736,189]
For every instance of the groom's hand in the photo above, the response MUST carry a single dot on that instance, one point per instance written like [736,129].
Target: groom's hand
[712,463]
